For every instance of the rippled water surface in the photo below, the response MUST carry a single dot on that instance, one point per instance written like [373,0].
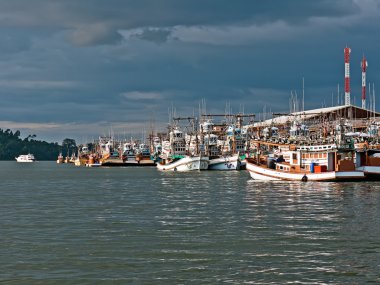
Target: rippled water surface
[65,225]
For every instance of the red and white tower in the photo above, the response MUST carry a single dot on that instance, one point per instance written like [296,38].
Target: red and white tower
[364,65]
[347,99]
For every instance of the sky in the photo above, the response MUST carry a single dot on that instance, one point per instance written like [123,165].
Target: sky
[82,69]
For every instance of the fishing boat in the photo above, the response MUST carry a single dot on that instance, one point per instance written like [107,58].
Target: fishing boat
[26,158]
[182,153]
[367,148]
[217,159]
[60,158]
[324,154]
[143,156]
[222,144]
[184,163]
[303,163]
[228,162]
[112,159]
[368,161]
[93,161]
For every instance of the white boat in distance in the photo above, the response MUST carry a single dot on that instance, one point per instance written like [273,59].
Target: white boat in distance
[26,158]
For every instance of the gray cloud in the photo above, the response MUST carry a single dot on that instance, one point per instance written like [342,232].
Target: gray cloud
[72,64]
[98,33]
[98,22]
[154,35]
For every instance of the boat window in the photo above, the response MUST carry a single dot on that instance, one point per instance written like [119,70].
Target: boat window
[294,156]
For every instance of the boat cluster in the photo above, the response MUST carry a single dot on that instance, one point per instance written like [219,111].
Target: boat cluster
[106,151]
[330,151]
[185,147]
[300,148]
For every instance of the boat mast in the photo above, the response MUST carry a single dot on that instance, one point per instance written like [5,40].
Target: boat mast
[303,94]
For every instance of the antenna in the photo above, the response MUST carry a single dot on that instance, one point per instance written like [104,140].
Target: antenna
[347,97]
[338,97]
[374,99]
[364,65]
[370,99]
[303,94]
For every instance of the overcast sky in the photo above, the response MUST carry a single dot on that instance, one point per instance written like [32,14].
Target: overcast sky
[80,69]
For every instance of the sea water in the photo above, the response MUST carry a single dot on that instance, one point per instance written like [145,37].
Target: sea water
[61,224]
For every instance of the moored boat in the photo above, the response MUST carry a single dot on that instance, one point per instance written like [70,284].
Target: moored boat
[60,158]
[26,158]
[181,152]
[228,162]
[260,172]
[368,161]
[184,163]
[305,163]
[93,161]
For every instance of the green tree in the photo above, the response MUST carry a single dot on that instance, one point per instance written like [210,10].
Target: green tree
[69,146]
[11,146]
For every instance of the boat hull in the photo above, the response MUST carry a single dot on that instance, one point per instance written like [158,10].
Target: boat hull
[225,163]
[185,164]
[263,173]
[370,172]
[93,164]
[129,164]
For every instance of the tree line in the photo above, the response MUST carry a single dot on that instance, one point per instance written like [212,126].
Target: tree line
[12,145]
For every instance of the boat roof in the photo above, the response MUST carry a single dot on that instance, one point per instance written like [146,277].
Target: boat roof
[341,111]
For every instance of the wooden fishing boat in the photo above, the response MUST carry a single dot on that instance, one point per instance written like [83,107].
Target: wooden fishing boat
[304,163]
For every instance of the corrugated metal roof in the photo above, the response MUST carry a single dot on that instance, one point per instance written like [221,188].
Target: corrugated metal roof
[310,114]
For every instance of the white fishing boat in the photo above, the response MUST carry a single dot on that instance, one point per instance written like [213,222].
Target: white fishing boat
[368,161]
[305,163]
[258,172]
[183,152]
[25,158]
[229,162]
[60,158]
[367,156]
[185,163]
[223,144]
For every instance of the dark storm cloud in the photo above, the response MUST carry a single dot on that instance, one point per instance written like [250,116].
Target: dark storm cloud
[80,67]
[154,35]
[98,21]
